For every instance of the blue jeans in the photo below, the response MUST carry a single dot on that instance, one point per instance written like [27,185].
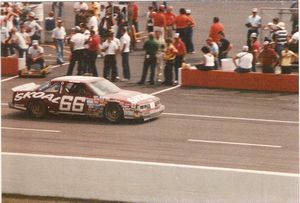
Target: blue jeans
[125,64]
[60,50]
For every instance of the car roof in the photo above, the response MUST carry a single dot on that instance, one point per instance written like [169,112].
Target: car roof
[78,79]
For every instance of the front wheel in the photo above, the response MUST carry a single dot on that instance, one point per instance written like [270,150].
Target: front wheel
[37,109]
[114,113]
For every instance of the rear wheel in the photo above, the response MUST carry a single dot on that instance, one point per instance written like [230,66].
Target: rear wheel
[114,113]
[37,109]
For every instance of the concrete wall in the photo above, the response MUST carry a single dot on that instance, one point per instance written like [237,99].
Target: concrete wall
[142,182]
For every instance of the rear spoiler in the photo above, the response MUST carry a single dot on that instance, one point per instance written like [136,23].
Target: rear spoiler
[25,87]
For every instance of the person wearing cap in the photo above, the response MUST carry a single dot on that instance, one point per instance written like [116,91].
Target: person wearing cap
[253,24]
[35,55]
[214,49]
[215,28]
[59,36]
[33,26]
[244,59]
[182,22]
[170,22]
[151,47]
[268,58]
[271,27]
[280,37]
[181,52]
[160,54]
[77,42]
[254,49]
[159,20]
[92,52]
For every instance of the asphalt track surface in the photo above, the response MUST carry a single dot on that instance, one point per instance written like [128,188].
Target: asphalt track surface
[203,127]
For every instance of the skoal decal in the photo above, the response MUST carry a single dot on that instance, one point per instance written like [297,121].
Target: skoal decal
[37,95]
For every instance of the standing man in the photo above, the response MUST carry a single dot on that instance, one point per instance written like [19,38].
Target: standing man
[169,57]
[160,54]
[125,49]
[111,48]
[280,38]
[59,35]
[159,20]
[189,33]
[253,24]
[254,49]
[151,48]
[268,58]
[215,29]
[182,23]
[135,15]
[170,22]
[181,52]
[93,42]
[77,46]
[33,26]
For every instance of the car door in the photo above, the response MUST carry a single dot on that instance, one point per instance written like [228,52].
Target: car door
[74,97]
[51,94]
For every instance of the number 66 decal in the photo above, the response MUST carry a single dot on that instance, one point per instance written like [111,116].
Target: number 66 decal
[69,103]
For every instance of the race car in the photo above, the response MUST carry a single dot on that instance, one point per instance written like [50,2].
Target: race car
[85,95]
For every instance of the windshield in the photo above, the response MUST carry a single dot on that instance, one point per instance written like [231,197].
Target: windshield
[44,86]
[104,87]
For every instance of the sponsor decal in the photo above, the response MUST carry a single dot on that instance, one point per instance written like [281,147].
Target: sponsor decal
[42,95]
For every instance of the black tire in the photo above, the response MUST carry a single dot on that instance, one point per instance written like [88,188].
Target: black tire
[37,109]
[114,113]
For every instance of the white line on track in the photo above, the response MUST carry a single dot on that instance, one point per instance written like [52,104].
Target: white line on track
[231,118]
[296,175]
[235,143]
[31,129]
[165,90]
[7,79]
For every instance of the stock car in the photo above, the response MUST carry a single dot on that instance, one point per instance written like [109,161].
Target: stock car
[85,95]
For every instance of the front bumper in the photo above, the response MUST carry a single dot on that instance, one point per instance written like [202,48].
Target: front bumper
[145,115]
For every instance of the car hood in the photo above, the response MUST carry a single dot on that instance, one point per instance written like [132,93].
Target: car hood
[133,97]
[26,87]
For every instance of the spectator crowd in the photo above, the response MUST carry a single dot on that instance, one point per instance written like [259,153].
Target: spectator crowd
[106,30]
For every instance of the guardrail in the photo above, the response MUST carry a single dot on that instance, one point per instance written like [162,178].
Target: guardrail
[244,81]
[129,181]
[9,66]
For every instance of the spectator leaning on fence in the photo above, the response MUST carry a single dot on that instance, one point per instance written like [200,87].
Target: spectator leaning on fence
[268,58]
[244,59]
[287,59]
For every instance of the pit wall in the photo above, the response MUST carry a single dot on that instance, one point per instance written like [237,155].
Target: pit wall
[243,81]
[129,181]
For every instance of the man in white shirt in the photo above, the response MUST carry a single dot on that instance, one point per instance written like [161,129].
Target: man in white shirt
[77,46]
[93,22]
[111,48]
[33,26]
[19,42]
[59,35]
[125,49]
[253,24]
[244,58]
[35,55]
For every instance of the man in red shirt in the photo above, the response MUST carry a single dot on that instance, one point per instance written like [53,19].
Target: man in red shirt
[170,22]
[159,20]
[182,22]
[181,48]
[94,42]
[135,14]
[254,49]
[268,58]
[215,28]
